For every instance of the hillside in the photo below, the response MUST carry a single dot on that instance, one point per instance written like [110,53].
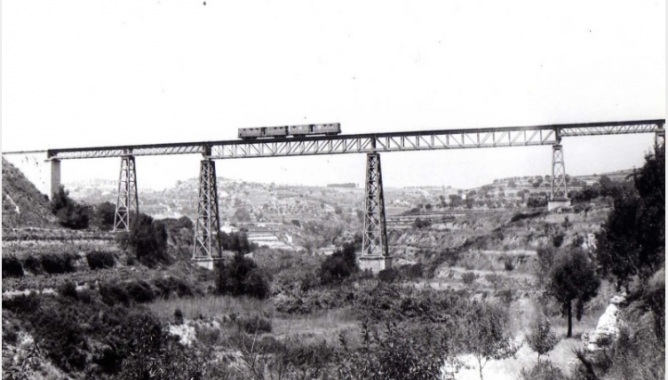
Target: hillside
[22,204]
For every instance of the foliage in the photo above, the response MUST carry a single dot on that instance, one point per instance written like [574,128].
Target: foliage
[11,267]
[396,352]
[573,278]
[147,239]
[632,240]
[58,263]
[242,277]
[543,370]
[469,278]
[485,334]
[100,260]
[389,275]
[419,223]
[536,202]
[254,325]
[105,214]
[70,214]
[235,241]
[338,266]
[540,338]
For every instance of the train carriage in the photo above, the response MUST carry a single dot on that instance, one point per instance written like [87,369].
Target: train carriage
[292,130]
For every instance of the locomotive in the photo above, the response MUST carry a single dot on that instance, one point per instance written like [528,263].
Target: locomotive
[290,130]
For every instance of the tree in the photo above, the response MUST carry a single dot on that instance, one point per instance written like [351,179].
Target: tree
[541,339]
[632,240]
[70,214]
[340,265]
[148,239]
[573,279]
[106,211]
[455,200]
[241,277]
[485,334]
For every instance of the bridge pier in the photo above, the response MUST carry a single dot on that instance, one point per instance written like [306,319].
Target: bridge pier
[128,199]
[206,248]
[660,137]
[54,183]
[559,194]
[375,255]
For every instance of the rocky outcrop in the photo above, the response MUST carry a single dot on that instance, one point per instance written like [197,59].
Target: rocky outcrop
[607,330]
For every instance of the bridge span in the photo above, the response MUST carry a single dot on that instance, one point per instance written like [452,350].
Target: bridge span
[375,254]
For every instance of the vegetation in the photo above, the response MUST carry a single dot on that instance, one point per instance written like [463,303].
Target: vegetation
[632,241]
[573,279]
[339,266]
[241,277]
[147,239]
[70,214]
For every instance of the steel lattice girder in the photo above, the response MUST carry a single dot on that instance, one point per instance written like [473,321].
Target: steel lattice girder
[374,241]
[364,143]
[559,185]
[207,243]
[128,199]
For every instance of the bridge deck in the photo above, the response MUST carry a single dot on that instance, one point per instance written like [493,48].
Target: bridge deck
[369,142]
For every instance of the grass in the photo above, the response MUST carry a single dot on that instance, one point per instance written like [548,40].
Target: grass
[210,307]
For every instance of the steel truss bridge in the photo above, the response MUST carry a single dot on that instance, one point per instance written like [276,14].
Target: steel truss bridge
[375,253]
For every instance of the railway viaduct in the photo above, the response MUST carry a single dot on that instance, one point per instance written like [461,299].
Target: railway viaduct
[375,254]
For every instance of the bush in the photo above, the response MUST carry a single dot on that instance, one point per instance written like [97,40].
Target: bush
[140,291]
[388,275]
[58,263]
[70,214]
[508,264]
[33,265]
[11,267]
[469,277]
[242,277]
[148,240]
[68,289]
[167,286]
[340,265]
[105,214]
[100,260]
[113,294]
[543,370]
[255,325]
[558,239]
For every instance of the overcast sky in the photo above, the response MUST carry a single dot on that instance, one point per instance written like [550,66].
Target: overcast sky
[89,73]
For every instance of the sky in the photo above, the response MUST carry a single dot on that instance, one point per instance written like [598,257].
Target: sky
[92,73]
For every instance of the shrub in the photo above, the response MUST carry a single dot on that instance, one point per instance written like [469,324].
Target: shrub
[11,267]
[178,316]
[340,265]
[105,214]
[140,291]
[255,325]
[543,370]
[33,265]
[558,239]
[167,286]
[68,289]
[148,240]
[508,264]
[70,214]
[540,338]
[113,294]
[469,277]
[100,260]
[388,275]
[58,263]
[241,277]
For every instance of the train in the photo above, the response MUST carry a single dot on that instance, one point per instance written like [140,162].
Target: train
[290,130]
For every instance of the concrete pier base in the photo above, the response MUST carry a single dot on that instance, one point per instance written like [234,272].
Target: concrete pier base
[375,263]
[558,203]
[206,262]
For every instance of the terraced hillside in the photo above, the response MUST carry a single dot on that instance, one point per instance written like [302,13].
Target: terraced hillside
[22,204]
